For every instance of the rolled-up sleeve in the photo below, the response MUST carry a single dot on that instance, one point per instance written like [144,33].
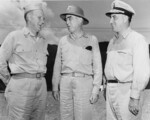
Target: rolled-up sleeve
[97,66]
[57,69]
[141,67]
[6,51]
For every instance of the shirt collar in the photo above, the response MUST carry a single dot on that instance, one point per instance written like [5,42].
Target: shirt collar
[85,35]
[125,33]
[27,32]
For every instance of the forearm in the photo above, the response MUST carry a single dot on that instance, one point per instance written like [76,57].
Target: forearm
[56,77]
[6,51]
[57,71]
[97,67]
[141,70]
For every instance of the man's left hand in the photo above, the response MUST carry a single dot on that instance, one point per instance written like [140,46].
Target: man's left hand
[94,98]
[134,106]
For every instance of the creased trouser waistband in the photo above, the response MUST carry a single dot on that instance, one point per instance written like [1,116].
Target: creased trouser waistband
[29,75]
[75,74]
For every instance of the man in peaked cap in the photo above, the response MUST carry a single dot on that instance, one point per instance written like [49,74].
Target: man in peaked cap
[127,65]
[26,53]
[77,69]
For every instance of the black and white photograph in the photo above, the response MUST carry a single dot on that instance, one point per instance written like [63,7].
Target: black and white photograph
[74,59]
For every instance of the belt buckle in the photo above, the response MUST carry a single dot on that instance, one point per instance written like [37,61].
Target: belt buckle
[77,75]
[38,75]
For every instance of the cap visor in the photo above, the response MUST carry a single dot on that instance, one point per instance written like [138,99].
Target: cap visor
[108,14]
[63,17]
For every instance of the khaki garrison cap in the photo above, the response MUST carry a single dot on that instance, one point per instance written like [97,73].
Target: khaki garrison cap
[32,7]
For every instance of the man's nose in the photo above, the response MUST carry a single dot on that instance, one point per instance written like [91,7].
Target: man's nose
[111,20]
[67,22]
[42,21]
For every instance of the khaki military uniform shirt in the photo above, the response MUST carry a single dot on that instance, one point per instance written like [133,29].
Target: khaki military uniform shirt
[129,61]
[72,57]
[23,52]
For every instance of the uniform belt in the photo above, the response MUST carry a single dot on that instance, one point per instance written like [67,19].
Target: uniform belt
[75,74]
[29,75]
[117,81]
[112,81]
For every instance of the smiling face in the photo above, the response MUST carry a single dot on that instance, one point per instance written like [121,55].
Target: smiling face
[36,19]
[73,23]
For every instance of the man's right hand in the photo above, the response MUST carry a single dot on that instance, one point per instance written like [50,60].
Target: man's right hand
[134,106]
[56,95]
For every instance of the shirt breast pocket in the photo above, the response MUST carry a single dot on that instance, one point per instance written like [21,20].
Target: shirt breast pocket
[24,51]
[125,57]
[86,57]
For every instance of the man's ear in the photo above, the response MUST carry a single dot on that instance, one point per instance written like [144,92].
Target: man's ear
[29,16]
[80,20]
[125,18]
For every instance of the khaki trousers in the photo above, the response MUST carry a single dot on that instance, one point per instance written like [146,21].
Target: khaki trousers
[146,105]
[75,93]
[118,96]
[26,98]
